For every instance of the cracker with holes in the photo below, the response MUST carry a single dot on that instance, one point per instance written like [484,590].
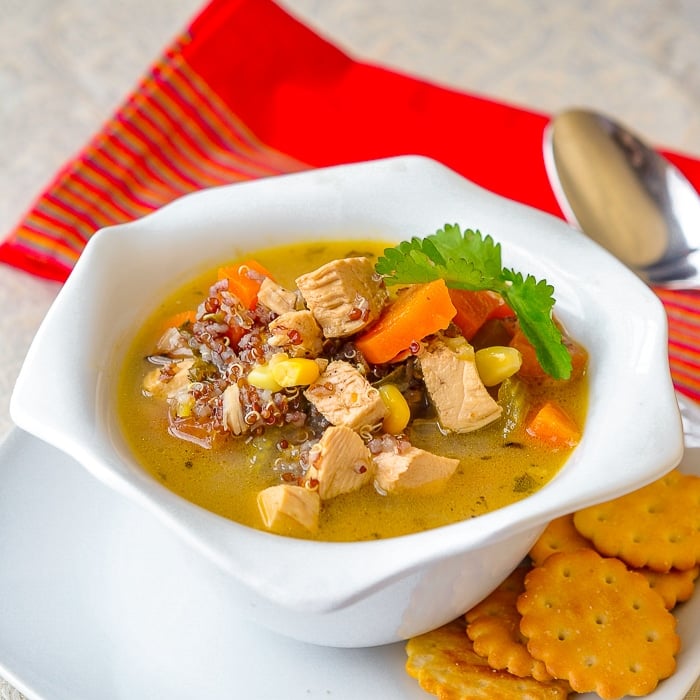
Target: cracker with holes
[560,535]
[657,526]
[598,625]
[673,586]
[445,664]
[493,625]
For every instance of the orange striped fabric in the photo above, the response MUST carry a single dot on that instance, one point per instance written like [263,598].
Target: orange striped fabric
[683,311]
[172,136]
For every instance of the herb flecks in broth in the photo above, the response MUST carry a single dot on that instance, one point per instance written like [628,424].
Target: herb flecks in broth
[259,403]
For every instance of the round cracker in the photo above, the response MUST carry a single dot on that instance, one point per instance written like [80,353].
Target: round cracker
[657,526]
[560,535]
[673,586]
[493,625]
[445,664]
[598,625]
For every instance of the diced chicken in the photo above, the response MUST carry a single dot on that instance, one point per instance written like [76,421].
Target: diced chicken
[285,506]
[297,333]
[344,397]
[172,343]
[275,297]
[412,468]
[164,383]
[232,411]
[344,295]
[460,398]
[339,462]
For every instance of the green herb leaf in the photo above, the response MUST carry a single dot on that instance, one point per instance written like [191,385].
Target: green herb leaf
[202,370]
[464,261]
[472,262]
[524,483]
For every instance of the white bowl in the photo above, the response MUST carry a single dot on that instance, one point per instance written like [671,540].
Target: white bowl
[366,593]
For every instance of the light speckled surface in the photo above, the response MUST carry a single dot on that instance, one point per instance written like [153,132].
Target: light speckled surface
[65,66]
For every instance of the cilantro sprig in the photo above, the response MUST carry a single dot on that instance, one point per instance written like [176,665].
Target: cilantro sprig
[471,261]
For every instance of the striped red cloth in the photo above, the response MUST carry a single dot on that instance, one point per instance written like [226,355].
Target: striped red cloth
[248,91]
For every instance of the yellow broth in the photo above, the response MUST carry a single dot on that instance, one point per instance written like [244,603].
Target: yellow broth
[227,478]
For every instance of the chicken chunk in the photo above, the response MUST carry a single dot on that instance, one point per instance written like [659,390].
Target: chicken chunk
[172,343]
[165,382]
[339,462]
[412,468]
[344,295]
[275,297]
[286,506]
[460,398]
[297,333]
[232,411]
[344,397]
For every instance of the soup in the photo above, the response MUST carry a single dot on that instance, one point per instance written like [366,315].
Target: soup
[278,438]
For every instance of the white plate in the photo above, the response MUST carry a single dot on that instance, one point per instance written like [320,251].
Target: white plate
[85,613]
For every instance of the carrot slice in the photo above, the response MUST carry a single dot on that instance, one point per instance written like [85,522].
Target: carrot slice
[418,311]
[244,280]
[180,319]
[474,308]
[552,425]
[531,369]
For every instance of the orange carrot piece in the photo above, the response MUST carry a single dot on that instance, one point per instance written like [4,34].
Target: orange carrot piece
[417,312]
[180,319]
[474,308]
[235,333]
[244,280]
[531,369]
[552,425]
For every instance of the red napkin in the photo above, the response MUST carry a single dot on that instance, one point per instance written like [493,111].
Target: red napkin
[247,91]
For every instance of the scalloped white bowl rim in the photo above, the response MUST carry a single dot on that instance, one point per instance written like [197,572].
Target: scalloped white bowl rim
[64,393]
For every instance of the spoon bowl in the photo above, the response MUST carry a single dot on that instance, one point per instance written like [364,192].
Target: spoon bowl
[625,196]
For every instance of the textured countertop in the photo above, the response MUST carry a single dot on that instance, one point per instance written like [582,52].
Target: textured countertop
[65,66]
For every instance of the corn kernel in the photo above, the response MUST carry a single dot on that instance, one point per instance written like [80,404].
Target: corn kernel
[295,371]
[398,412]
[497,363]
[184,407]
[261,377]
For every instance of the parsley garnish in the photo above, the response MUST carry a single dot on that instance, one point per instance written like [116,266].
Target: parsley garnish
[473,262]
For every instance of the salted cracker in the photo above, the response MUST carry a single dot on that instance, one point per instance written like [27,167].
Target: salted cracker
[493,625]
[560,535]
[673,586]
[657,526]
[446,665]
[598,625]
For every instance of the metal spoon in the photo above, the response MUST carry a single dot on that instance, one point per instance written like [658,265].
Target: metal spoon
[625,196]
